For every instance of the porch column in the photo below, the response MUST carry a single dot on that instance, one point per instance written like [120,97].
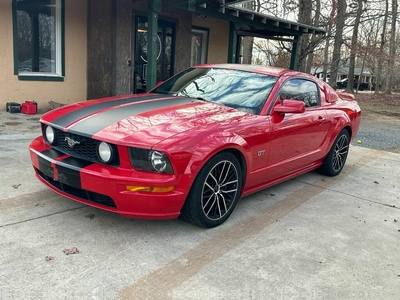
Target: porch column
[233,43]
[154,7]
[294,57]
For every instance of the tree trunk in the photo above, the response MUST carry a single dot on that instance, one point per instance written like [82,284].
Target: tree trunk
[314,38]
[247,41]
[392,49]
[304,18]
[340,20]
[247,46]
[353,51]
[380,57]
[326,49]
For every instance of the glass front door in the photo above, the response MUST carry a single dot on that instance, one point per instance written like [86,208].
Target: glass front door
[165,55]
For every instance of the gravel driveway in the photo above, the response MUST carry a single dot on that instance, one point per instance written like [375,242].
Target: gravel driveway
[379,132]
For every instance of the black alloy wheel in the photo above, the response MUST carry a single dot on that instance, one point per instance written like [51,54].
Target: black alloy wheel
[336,158]
[215,191]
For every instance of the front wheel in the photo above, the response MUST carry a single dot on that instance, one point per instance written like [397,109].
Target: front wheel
[336,158]
[215,191]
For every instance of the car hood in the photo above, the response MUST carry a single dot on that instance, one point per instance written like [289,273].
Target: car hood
[141,120]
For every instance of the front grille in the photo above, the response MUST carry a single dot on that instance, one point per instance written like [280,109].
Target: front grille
[79,193]
[85,148]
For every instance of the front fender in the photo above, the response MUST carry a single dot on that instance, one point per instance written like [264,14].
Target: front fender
[339,121]
[189,154]
[214,144]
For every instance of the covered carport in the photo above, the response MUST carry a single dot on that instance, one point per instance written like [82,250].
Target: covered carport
[110,37]
[243,22]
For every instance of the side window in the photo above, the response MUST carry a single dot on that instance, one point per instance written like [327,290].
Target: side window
[302,90]
[38,30]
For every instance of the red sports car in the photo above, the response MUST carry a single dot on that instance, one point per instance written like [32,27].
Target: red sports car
[196,143]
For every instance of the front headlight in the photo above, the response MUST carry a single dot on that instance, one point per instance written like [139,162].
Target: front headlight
[158,160]
[105,152]
[49,134]
[150,160]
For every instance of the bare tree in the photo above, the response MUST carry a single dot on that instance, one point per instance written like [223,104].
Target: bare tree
[392,48]
[305,9]
[314,38]
[327,42]
[359,33]
[354,40]
[340,22]
[248,41]
[382,44]
[247,49]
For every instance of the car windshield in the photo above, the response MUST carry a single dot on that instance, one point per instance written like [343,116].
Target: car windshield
[245,91]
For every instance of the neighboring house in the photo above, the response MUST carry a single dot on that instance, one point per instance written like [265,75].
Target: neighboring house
[366,76]
[343,73]
[67,51]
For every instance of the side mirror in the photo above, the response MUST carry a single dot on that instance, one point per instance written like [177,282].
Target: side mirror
[290,106]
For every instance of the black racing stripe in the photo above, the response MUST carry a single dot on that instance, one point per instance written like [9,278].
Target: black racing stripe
[45,158]
[73,163]
[51,153]
[67,119]
[45,167]
[95,123]
[69,171]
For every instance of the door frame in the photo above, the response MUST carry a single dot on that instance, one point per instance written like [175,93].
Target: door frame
[163,24]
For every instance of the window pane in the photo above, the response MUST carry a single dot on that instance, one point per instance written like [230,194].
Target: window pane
[302,90]
[197,43]
[199,47]
[242,90]
[36,36]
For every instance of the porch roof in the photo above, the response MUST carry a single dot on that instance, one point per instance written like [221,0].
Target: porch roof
[249,22]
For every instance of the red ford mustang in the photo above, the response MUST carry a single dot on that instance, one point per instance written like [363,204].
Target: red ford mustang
[196,143]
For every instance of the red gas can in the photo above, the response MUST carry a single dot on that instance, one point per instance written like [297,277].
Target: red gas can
[29,107]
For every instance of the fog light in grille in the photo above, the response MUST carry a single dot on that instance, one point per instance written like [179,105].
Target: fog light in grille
[105,152]
[49,134]
[150,189]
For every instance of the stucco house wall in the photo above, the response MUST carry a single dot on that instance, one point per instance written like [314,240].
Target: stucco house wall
[73,88]
[218,40]
[96,55]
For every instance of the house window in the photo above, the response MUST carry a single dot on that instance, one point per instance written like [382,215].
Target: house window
[199,46]
[38,39]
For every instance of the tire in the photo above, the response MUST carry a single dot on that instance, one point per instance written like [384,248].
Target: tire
[215,192]
[336,158]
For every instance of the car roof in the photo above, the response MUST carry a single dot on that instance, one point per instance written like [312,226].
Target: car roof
[273,71]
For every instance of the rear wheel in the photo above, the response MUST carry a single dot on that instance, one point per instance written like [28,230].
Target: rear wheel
[215,192]
[336,158]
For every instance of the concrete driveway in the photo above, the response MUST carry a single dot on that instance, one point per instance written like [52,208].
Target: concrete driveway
[313,237]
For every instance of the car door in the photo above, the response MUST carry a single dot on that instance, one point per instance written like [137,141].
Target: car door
[297,138]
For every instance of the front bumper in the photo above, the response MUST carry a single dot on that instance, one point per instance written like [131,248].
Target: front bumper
[104,187]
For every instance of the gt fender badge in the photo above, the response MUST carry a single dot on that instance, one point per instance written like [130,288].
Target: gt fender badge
[261,152]
[71,142]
